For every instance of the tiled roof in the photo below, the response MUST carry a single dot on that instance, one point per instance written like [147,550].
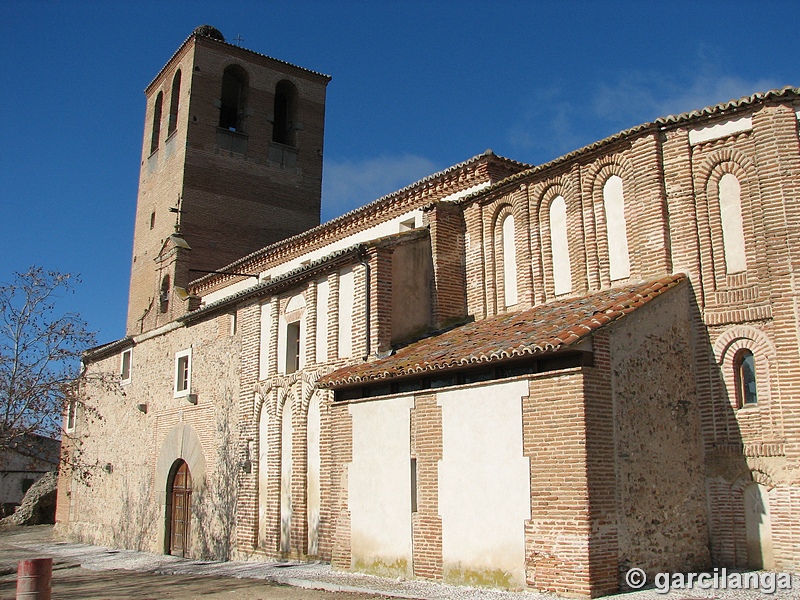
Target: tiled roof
[365,211]
[544,328]
[787,93]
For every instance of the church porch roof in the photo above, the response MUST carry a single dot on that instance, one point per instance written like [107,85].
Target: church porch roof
[544,328]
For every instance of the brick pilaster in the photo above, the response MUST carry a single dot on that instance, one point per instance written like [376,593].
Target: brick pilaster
[426,448]
[447,229]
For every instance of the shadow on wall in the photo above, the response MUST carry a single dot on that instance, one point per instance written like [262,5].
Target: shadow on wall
[214,505]
[137,514]
[740,528]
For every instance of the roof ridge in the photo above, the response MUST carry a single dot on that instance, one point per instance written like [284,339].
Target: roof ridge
[385,199]
[661,122]
[199,34]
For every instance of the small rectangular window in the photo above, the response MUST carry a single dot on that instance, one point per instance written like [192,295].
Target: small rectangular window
[183,372]
[292,347]
[125,367]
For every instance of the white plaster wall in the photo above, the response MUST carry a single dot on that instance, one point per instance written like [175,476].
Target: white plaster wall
[562,271]
[312,475]
[323,295]
[720,130]
[346,298]
[484,483]
[286,475]
[509,262]
[383,229]
[619,264]
[730,206]
[379,487]
[230,290]
[264,341]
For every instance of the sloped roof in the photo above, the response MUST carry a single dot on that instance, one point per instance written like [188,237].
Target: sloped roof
[366,211]
[544,328]
[735,106]
[204,31]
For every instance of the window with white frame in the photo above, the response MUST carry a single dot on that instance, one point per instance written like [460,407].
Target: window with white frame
[125,367]
[183,372]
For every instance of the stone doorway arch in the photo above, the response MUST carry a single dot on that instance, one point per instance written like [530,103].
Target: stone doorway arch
[180,445]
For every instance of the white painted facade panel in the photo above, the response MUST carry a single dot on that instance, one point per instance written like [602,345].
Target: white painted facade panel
[264,340]
[379,485]
[484,482]
[323,296]
[347,294]
[313,498]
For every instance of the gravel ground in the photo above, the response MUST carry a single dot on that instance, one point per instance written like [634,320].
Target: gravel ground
[321,576]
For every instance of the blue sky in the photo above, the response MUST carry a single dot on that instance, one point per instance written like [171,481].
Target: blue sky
[417,87]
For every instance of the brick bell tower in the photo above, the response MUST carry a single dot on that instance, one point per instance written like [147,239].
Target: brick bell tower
[231,162]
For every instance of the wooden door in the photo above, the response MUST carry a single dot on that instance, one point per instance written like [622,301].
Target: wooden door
[181,511]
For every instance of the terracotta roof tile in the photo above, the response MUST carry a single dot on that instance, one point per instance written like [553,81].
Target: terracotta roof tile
[544,328]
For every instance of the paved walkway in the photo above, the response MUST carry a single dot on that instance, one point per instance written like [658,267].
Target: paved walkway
[21,543]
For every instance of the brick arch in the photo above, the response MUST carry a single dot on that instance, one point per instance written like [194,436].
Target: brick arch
[497,211]
[727,160]
[309,386]
[543,198]
[598,175]
[605,167]
[284,392]
[262,399]
[761,475]
[744,336]
[747,337]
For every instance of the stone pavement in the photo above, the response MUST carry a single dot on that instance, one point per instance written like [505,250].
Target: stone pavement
[129,574]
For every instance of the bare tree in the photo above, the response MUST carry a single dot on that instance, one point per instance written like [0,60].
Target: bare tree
[39,356]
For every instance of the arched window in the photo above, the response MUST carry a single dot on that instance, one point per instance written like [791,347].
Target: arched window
[509,262]
[559,246]
[234,98]
[619,265]
[283,113]
[174,102]
[157,108]
[730,208]
[744,373]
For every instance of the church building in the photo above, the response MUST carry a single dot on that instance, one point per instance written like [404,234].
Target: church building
[501,375]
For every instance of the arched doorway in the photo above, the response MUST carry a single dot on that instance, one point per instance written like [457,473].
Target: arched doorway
[179,509]
[758,526]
